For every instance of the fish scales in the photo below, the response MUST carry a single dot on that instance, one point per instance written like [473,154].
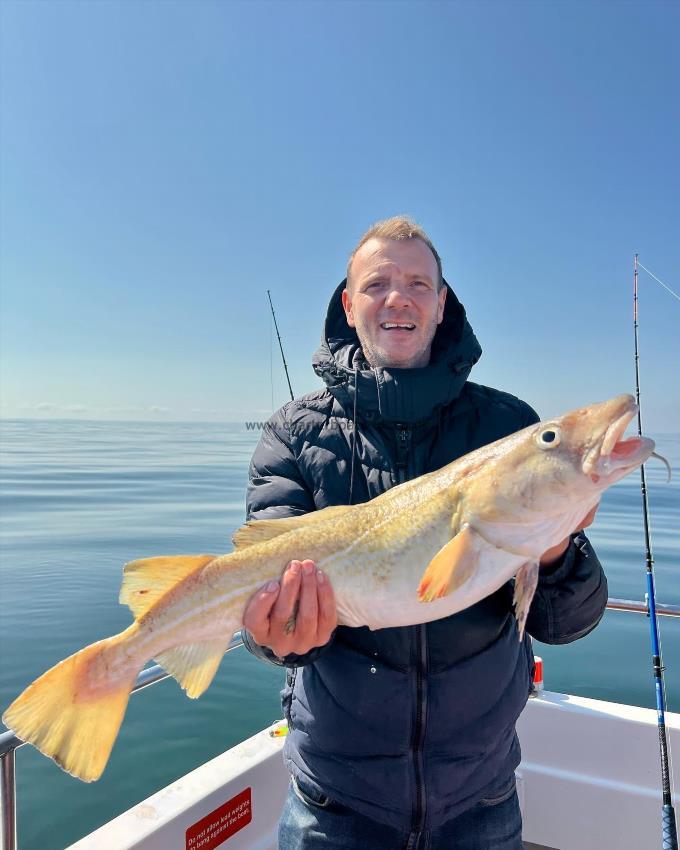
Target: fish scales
[421,551]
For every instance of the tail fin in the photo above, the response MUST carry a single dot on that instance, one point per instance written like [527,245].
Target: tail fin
[73,712]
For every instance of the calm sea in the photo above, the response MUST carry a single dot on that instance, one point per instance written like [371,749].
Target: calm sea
[79,499]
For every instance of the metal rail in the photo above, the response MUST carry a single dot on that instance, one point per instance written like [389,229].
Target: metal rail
[10,743]
[642,607]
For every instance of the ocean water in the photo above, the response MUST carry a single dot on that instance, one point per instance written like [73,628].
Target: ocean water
[79,499]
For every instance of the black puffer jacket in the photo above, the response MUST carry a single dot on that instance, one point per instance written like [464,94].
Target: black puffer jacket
[409,726]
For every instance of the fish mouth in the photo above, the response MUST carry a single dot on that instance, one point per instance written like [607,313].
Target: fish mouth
[615,454]
[616,430]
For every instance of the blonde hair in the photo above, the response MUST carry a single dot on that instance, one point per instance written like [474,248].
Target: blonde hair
[398,227]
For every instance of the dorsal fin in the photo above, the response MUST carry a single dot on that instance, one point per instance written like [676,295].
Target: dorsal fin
[146,580]
[259,530]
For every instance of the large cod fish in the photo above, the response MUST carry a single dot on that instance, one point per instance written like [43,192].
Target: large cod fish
[423,550]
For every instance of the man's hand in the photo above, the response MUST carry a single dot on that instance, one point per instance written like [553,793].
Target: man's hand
[295,614]
[555,552]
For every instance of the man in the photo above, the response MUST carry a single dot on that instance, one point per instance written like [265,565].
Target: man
[401,738]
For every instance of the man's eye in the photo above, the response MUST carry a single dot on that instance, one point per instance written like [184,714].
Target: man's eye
[420,284]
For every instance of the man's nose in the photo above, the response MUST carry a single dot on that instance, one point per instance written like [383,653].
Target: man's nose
[397,297]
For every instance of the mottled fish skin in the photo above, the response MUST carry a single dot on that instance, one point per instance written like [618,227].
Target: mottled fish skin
[421,551]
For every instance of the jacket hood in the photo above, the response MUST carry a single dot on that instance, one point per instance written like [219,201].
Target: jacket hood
[396,395]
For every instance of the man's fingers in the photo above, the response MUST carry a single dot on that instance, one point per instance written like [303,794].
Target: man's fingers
[287,598]
[305,597]
[308,611]
[256,615]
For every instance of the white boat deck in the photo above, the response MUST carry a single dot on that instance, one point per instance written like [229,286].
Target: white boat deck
[589,779]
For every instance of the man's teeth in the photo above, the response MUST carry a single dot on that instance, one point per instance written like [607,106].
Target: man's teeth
[407,325]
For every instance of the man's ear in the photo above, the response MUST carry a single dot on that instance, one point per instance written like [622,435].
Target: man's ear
[347,304]
[442,301]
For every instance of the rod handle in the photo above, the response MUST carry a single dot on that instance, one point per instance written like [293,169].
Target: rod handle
[670,836]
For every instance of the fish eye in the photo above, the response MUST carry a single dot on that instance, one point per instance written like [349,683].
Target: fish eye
[549,438]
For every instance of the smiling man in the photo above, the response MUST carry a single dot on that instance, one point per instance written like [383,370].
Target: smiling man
[401,738]
[395,299]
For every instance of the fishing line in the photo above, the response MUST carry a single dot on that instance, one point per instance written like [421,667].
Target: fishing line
[669,832]
[665,285]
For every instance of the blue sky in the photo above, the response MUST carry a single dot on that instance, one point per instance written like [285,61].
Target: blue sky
[164,163]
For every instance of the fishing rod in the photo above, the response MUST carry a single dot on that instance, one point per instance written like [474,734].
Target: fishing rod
[669,831]
[283,356]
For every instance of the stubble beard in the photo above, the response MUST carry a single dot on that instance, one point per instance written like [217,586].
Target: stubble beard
[377,357]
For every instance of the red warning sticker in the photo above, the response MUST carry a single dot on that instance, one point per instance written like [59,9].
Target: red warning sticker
[221,824]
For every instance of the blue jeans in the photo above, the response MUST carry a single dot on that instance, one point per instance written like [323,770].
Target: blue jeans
[313,822]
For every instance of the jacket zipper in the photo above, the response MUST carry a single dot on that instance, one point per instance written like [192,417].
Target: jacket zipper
[405,470]
[403,446]
[420,803]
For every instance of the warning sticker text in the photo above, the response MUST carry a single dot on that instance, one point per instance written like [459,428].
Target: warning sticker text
[221,824]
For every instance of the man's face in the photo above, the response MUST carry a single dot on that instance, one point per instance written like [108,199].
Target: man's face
[393,302]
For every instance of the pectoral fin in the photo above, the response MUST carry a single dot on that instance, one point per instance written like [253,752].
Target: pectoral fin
[525,587]
[452,565]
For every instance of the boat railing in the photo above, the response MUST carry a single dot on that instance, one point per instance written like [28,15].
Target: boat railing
[10,743]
